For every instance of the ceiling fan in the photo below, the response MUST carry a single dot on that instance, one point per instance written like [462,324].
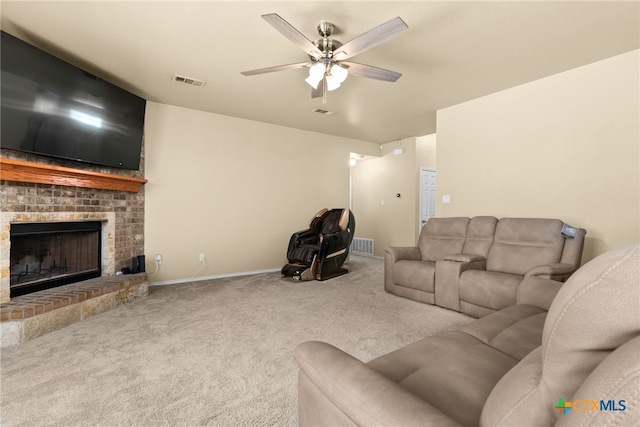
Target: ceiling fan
[328,67]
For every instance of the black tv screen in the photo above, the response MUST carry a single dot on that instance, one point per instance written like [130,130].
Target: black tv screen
[53,108]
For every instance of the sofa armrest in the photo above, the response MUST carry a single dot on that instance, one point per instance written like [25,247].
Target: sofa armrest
[356,392]
[448,272]
[393,254]
[537,291]
[398,253]
[558,271]
[464,258]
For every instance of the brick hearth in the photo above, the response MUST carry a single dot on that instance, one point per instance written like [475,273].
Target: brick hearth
[32,315]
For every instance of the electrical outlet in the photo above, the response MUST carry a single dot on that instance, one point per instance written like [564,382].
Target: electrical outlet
[201,257]
[158,259]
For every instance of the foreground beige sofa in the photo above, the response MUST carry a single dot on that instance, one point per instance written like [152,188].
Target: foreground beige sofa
[509,368]
[476,265]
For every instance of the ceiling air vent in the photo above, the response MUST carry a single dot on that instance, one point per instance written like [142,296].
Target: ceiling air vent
[325,112]
[188,80]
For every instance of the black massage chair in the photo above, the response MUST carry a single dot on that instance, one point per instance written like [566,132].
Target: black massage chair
[318,252]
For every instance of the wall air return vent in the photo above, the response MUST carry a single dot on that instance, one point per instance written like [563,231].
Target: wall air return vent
[188,80]
[362,246]
[325,112]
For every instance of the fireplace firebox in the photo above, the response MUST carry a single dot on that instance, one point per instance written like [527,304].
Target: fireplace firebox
[47,255]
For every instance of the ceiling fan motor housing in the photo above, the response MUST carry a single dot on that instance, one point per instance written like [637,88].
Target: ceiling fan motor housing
[326,45]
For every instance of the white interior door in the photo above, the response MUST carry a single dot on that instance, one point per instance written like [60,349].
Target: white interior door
[427,195]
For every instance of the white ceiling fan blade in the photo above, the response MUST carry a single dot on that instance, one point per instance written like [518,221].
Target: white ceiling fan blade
[371,38]
[371,72]
[275,68]
[290,32]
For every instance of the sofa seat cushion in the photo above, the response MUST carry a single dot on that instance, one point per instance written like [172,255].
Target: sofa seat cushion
[515,330]
[418,275]
[453,372]
[336,389]
[456,371]
[490,289]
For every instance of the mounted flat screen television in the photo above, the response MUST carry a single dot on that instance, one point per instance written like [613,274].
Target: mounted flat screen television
[52,108]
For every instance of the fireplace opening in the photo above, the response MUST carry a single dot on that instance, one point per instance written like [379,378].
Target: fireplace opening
[47,255]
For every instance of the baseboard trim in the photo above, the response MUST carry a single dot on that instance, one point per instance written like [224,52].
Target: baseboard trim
[227,275]
[366,256]
[215,276]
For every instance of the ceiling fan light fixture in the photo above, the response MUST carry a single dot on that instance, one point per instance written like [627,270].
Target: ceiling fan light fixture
[332,83]
[316,74]
[339,73]
[313,81]
[317,70]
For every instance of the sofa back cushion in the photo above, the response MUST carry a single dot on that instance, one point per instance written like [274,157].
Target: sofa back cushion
[480,234]
[594,313]
[441,237]
[523,243]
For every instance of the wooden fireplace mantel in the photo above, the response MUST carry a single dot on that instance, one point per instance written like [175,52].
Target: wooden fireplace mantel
[21,171]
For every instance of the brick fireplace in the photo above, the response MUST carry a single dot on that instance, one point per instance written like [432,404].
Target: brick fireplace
[36,190]
[122,212]
[45,255]
[108,220]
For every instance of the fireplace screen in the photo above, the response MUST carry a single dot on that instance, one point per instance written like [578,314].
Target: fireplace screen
[46,255]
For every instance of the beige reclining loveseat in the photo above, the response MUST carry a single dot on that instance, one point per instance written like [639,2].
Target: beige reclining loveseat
[477,265]
[521,366]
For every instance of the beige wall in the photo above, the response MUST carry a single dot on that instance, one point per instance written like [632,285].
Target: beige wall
[426,151]
[377,181]
[566,147]
[234,189]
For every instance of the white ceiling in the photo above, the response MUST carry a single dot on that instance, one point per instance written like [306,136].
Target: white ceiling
[452,52]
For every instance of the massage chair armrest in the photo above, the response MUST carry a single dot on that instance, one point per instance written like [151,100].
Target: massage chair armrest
[559,271]
[299,238]
[359,393]
[537,291]
[334,244]
[304,237]
[464,258]
[399,253]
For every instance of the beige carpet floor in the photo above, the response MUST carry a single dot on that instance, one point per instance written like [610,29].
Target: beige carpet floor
[215,352]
